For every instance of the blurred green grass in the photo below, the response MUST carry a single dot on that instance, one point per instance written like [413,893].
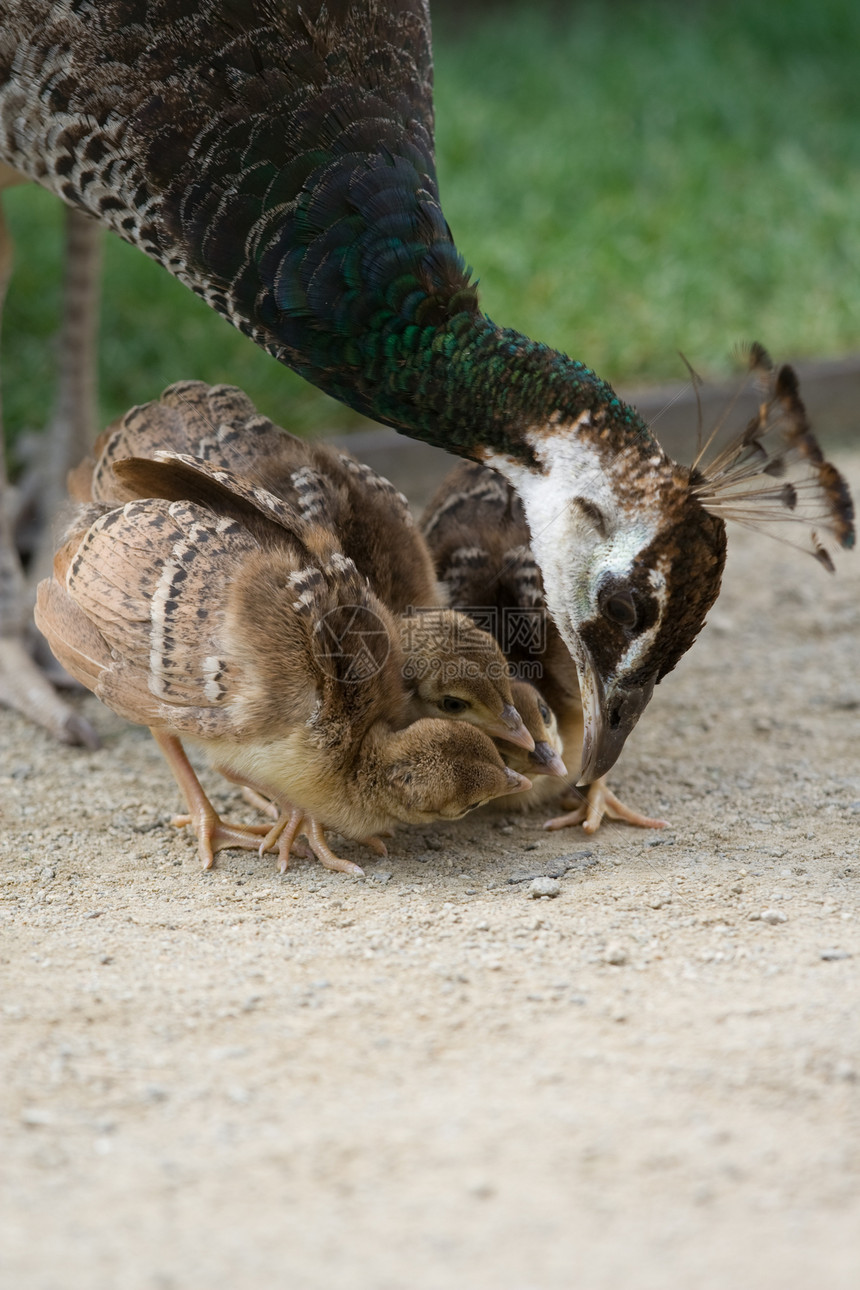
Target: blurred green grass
[627,180]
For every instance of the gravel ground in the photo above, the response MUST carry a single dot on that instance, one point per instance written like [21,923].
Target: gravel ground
[439,1077]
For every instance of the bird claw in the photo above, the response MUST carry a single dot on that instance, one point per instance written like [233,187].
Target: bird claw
[214,834]
[377,845]
[597,801]
[285,832]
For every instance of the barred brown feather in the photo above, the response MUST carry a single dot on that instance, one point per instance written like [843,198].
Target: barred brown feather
[777,444]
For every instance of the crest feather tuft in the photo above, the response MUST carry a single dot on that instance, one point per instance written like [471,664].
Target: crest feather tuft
[738,482]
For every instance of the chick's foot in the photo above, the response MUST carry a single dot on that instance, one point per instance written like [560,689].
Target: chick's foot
[213,834]
[285,832]
[588,806]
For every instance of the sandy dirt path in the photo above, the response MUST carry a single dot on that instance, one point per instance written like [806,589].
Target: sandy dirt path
[431,1078]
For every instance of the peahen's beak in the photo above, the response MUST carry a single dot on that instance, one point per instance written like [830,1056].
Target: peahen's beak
[609,714]
[546,761]
[510,727]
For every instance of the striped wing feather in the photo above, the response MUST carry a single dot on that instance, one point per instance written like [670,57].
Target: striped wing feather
[151,579]
[315,483]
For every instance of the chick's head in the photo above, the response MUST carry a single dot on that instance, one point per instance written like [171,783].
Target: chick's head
[541,723]
[442,769]
[455,670]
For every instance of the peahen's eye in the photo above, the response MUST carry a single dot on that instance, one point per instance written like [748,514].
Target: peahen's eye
[621,609]
[452,705]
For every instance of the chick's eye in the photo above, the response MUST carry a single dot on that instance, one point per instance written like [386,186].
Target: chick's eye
[620,608]
[450,704]
[544,712]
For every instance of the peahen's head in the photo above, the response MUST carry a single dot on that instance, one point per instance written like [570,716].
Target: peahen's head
[631,564]
[632,546]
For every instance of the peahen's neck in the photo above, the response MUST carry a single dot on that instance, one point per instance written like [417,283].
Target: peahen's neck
[476,389]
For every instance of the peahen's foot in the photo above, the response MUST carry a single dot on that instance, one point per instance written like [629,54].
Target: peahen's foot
[589,805]
[25,688]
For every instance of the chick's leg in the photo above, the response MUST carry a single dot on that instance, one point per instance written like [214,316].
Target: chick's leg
[212,833]
[263,804]
[588,806]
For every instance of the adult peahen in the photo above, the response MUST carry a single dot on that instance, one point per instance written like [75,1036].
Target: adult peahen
[278,159]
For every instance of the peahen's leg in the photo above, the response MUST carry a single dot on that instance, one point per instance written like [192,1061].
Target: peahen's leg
[72,430]
[23,686]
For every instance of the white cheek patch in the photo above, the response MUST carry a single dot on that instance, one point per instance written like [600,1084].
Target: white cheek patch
[641,646]
[572,555]
[638,649]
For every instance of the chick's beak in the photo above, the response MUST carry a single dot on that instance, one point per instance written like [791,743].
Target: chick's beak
[609,714]
[509,726]
[517,783]
[546,761]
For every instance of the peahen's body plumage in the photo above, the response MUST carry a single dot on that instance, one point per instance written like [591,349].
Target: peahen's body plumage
[278,158]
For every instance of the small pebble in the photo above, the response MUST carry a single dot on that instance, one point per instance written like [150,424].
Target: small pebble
[616,954]
[773,916]
[34,1117]
[833,955]
[381,875]
[548,887]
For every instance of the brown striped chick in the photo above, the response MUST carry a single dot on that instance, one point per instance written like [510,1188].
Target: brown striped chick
[219,425]
[452,668]
[273,657]
[476,530]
